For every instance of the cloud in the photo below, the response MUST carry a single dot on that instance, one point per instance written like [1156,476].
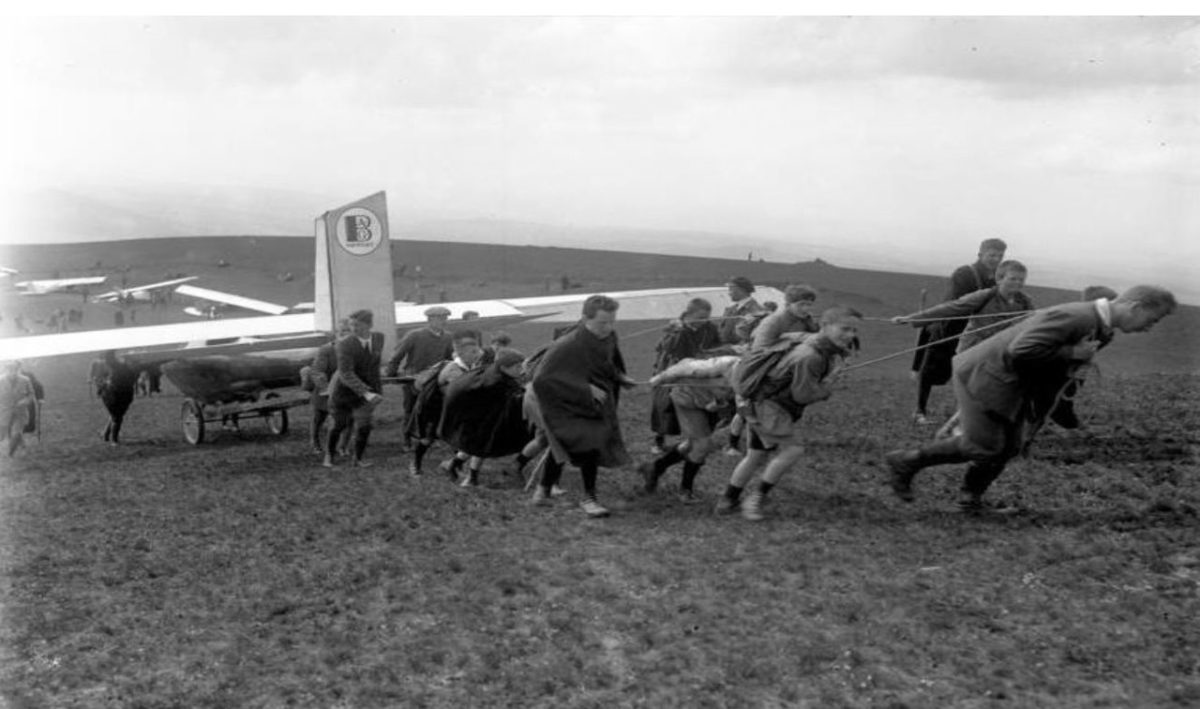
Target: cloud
[1018,55]
[486,61]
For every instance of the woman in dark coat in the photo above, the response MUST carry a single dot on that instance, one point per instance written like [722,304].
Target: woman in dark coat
[117,394]
[481,415]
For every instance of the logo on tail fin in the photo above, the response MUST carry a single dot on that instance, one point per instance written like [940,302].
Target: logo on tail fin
[359,231]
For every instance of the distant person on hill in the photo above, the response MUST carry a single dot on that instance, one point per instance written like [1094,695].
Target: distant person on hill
[17,399]
[418,350]
[356,388]
[803,376]
[574,390]
[931,363]
[116,391]
[687,337]
[997,382]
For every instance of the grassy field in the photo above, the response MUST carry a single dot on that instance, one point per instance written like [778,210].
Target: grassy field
[241,573]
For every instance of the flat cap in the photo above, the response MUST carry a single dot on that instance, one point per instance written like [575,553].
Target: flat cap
[741,282]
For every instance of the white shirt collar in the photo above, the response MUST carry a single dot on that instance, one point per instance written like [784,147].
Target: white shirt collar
[743,301]
[1104,310]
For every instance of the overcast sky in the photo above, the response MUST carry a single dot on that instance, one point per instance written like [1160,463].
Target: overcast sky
[1076,139]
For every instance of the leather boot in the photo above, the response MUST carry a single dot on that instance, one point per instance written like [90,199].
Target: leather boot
[652,471]
[976,480]
[905,465]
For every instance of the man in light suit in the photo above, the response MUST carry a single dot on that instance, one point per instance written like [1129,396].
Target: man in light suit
[997,381]
[355,389]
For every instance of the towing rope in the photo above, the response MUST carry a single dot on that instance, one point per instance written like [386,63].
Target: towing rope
[918,348]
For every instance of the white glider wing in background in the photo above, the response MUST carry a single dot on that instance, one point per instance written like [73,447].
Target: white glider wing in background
[118,294]
[237,301]
[54,285]
[653,304]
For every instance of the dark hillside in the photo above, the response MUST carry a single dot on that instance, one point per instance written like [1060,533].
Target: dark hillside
[256,264]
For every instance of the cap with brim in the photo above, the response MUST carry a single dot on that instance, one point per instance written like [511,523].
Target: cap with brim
[437,311]
[506,357]
[741,282]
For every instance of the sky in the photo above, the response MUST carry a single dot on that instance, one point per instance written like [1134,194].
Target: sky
[908,138]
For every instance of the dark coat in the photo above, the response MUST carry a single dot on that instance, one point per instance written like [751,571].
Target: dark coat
[426,414]
[935,360]
[580,425]
[738,321]
[357,372]
[481,414]
[1005,372]
[679,342]
[117,390]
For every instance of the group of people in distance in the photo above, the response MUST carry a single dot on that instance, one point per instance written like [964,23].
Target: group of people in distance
[753,370]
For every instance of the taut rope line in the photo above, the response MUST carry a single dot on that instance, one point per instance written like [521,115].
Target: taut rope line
[924,346]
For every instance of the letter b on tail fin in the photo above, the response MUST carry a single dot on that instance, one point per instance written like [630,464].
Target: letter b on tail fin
[354,266]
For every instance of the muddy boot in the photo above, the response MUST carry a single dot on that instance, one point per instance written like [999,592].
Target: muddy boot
[651,472]
[687,485]
[976,480]
[904,465]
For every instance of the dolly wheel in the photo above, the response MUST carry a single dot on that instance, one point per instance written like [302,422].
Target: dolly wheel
[192,419]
